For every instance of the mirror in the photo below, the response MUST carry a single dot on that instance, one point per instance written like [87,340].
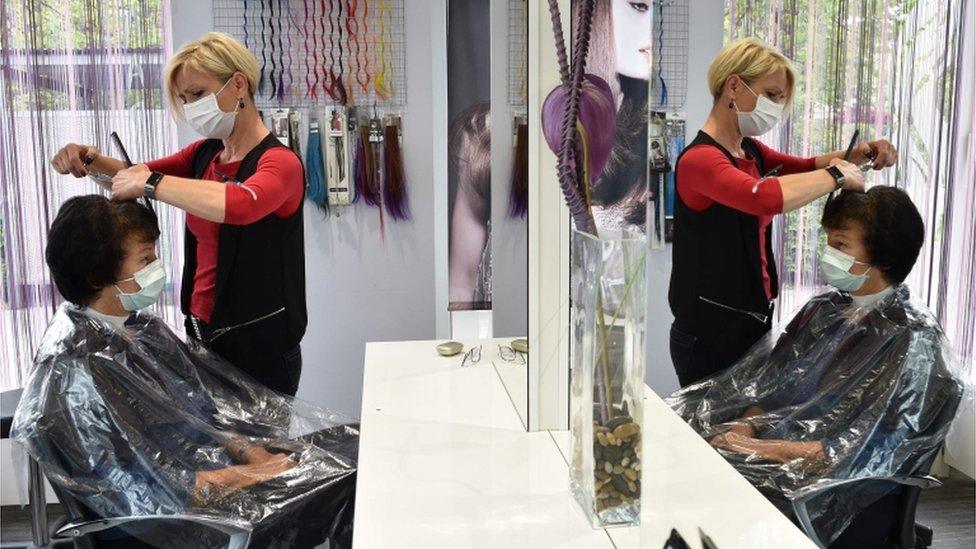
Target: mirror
[619,54]
[487,182]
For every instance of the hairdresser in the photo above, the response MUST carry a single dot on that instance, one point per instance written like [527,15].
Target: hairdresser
[729,187]
[243,290]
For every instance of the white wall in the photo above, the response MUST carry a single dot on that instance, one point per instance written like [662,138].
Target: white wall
[360,287]
[705,40]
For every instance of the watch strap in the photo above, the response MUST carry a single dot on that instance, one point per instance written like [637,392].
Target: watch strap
[151,184]
[838,176]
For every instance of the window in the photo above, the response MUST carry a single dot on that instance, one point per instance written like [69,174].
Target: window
[73,71]
[891,70]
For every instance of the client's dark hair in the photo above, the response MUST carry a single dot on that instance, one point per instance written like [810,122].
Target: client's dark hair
[893,228]
[85,243]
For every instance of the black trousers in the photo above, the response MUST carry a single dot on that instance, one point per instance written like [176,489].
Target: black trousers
[257,352]
[695,359]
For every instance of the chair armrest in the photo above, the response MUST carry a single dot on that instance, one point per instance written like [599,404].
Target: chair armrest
[804,495]
[239,532]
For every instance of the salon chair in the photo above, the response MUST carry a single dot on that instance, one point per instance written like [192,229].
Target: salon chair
[40,533]
[81,525]
[889,522]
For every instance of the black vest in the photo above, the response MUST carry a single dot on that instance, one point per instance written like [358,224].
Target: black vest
[260,266]
[716,292]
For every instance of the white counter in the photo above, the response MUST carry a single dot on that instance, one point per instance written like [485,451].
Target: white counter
[445,462]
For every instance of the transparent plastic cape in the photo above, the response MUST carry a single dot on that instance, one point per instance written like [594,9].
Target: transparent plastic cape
[840,393]
[135,422]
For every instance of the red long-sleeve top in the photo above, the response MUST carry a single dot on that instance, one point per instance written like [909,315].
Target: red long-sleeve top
[275,187]
[706,176]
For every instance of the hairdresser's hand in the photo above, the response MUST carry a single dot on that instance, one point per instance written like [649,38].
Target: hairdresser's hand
[853,176]
[74,159]
[880,153]
[130,183]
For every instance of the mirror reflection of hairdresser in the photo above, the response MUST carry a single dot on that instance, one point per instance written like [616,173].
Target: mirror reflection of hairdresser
[620,53]
[470,157]
[723,279]
[243,289]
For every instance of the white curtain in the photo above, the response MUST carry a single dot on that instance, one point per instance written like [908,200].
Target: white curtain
[73,71]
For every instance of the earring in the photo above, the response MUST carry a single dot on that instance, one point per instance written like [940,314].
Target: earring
[731,101]
[240,102]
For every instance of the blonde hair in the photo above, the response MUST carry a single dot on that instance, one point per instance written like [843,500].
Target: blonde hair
[750,58]
[217,54]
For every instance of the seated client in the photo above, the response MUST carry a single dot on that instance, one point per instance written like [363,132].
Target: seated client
[859,384]
[130,421]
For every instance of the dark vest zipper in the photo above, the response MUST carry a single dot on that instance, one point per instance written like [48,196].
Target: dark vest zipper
[755,316]
[222,331]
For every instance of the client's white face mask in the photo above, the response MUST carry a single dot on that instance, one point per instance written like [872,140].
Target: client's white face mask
[836,268]
[151,280]
[761,119]
[204,116]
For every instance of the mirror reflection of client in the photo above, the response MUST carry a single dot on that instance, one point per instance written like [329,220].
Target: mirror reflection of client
[470,235]
[129,421]
[859,385]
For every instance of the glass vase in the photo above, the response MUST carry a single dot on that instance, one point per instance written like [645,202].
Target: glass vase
[607,322]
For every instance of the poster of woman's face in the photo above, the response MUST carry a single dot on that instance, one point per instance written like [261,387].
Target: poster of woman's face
[620,53]
[469,155]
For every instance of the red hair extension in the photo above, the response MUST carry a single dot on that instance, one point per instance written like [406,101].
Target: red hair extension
[352,27]
[395,185]
[312,55]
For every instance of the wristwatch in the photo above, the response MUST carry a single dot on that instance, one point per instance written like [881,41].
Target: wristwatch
[838,176]
[150,188]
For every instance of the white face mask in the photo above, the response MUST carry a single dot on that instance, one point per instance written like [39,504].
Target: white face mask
[836,268]
[761,119]
[151,280]
[204,116]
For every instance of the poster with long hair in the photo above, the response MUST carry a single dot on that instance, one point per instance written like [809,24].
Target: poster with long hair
[469,154]
[620,54]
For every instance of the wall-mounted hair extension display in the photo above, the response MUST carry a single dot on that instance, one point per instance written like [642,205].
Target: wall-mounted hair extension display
[518,195]
[380,81]
[374,158]
[281,126]
[264,51]
[316,189]
[311,54]
[294,127]
[336,88]
[363,74]
[352,38]
[288,64]
[394,178]
[660,52]
[312,50]
[272,80]
[337,157]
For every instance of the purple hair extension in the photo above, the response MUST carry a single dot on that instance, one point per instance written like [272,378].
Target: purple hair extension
[395,186]
[597,113]
[518,196]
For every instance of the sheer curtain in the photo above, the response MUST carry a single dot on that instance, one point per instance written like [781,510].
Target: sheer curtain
[890,68]
[73,71]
